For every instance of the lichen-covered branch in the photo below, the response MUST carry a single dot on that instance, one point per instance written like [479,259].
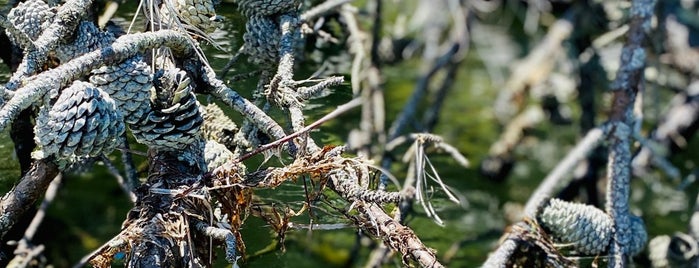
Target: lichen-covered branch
[53,80]
[64,25]
[242,105]
[628,83]
[373,220]
[27,252]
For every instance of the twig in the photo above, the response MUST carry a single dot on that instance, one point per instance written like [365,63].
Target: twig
[321,9]
[536,66]
[374,220]
[409,110]
[283,82]
[678,123]
[18,200]
[311,91]
[116,242]
[339,110]
[242,105]
[124,184]
[26,251]
[372,122]
[127,160]
[527,245]
[501,150]
[220,234]
[356,47]
[110,9]
[230,62]
[556,178]
[649,148]
[500,257]
[449,60]
[429,120]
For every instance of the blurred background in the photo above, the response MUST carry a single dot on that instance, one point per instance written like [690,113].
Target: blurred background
[528,80]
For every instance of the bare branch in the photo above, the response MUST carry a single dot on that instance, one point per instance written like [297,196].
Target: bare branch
[628,83]
[373,220]
[18,200]
[557,177]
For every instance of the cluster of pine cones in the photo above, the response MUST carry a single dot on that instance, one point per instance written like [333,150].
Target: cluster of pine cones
[88,118]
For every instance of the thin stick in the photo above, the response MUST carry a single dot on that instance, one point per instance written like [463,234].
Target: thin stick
[26,251]
[321,9]
[18,200]
[394,234]
[557,177]
[339,110]
[48,198]
[123,184]
[127,161]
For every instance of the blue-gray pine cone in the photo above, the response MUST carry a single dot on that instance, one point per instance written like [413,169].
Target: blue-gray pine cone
[262,37]
[251,8]
[29,19]
[198,13]
[587,228]
[218,127]
[83,122]
[175,119]
[87,39]
[129,84]
[216,154]
[639,236]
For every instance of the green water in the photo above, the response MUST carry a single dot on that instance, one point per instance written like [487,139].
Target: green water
[90,207]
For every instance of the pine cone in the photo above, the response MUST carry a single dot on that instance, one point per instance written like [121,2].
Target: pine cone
[218,127]
[29,19]
[83,122]
[251,8]
[586,227]
[262,37]
[175,119]
[198,13]
[87,38]
[639,236]
[216,154]
[129,84]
